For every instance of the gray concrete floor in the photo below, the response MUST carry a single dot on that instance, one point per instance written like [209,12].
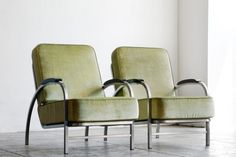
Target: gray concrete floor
[49,143]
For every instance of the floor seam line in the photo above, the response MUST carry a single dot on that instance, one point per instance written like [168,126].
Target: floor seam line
[160,152]
[12,152]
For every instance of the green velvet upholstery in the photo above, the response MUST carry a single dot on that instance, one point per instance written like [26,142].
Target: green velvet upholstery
[153,66]
[90,110]
[150,64]
[173,108]
[77,66]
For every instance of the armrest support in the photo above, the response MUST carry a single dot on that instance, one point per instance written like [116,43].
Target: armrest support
[149,108]
[51,81]
[120,82]
[130,81]
[192,81]
[43,84]
[141,82]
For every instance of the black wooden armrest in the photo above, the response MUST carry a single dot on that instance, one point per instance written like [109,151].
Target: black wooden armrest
[188,81]
[50,80]
[138,81]
[194,81]
[120,82]
[112,82]
[129,81]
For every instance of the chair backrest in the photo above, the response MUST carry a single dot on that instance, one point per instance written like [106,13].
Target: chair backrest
[150,64]
[76,65]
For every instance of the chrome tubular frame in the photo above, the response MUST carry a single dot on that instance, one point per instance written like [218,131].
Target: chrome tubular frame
[132,136]
[149,112]
[158,122]
[86,133]
[131,93]
[66,121]
[204,87]
[208,133]
[105,132]
[202,84]
[206,121]
[149,108]
[65,97]
[122,83]
[118,90]
[30,113]
[158,129]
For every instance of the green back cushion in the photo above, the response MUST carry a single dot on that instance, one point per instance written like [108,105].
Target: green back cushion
[150,64]
[75,64]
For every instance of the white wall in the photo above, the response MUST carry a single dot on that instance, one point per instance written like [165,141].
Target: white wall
[192,42]
[104,24]
[222,62]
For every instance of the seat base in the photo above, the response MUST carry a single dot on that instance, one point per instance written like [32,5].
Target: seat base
[76,124]
[89,110]
[178,108]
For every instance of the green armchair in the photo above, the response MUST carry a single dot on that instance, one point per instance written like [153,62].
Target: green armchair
[151,68]
[70,92]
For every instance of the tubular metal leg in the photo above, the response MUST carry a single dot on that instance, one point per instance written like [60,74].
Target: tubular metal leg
[65,139]
[28,127]
[105,132]
[86,132]
[149,135]
[29,116]
[208,133]
[132,136]
[158,129]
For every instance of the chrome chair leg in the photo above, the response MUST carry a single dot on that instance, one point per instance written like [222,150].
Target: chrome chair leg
[86,133]
[28,126]
[65,139]
[158,129]
[27,129]
[149,135]
[207,133]
[132,136]
[105,132]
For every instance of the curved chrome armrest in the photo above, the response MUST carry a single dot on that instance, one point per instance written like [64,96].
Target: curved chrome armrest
[192,81]
[147,89]
[148,92]
[130,81]
[51,81]
[149,108]
[119,82]
[141,82]
[43,84]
